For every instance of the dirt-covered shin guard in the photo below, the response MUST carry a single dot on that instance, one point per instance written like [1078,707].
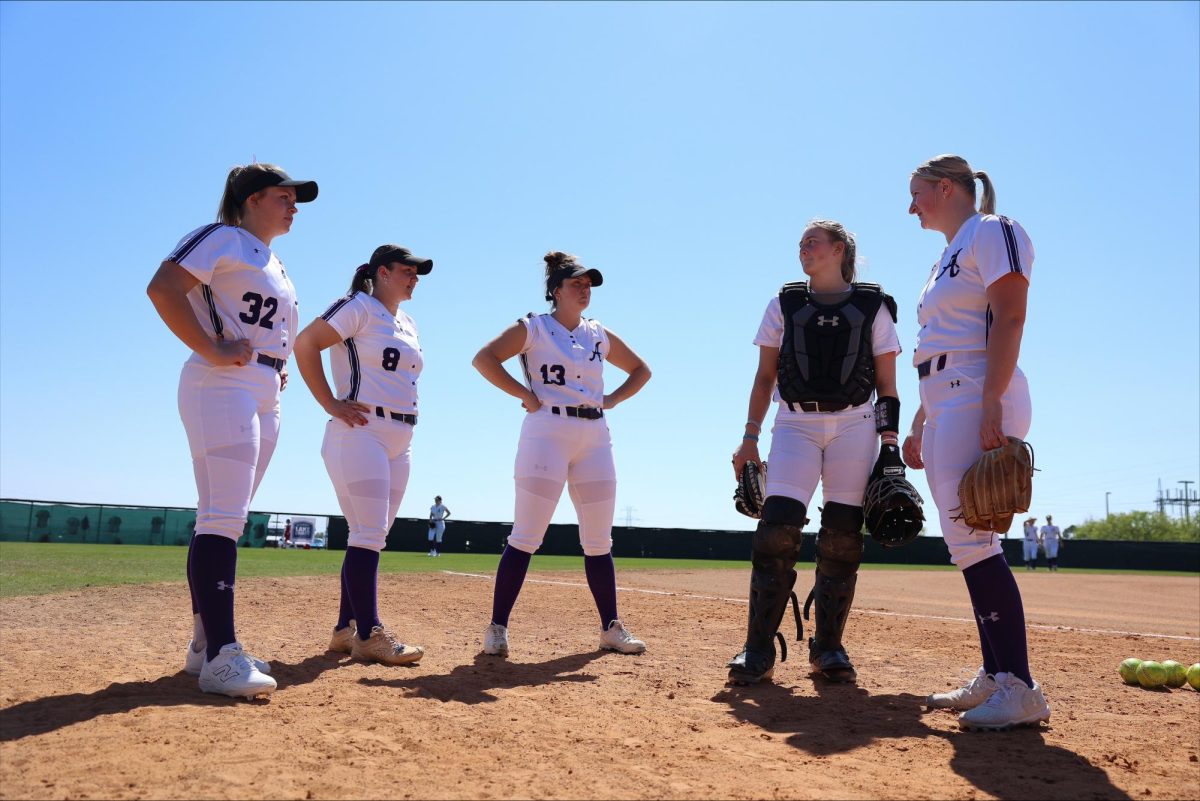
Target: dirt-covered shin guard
[776,547]
[839,553]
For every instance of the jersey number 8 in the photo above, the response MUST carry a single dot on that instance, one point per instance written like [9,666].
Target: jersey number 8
[391,359]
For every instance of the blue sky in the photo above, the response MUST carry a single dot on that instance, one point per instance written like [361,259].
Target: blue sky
[678,147]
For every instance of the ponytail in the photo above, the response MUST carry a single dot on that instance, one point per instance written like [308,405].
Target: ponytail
[987,205]
[364,278]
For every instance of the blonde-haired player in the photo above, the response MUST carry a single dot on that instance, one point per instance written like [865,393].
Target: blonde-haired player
[564,440]
[226,295]
[973,394]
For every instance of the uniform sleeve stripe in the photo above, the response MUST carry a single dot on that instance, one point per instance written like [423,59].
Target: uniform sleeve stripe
[355,371]
[218,326]
[187,247]
[1010,239]
[337,304]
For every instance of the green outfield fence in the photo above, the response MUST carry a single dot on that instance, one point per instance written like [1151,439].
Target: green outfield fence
[58,521]
[51,521]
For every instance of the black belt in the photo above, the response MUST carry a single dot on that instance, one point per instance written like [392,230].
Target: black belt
[411,419]
[584,412]
[816,406]
[926,367]
[272,362]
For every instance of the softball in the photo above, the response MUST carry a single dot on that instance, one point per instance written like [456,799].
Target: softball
[1128,670]
[1193,676]
[1176,673]
[1151,675]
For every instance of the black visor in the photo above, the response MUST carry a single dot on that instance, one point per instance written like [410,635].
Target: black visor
[256,180]
[404,256]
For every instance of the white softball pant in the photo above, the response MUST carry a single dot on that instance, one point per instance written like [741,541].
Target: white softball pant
[435,533]
[369,466]
[953,403]
[231,415]
[1031,548]
[1051,549]
[836,448]
[555,450]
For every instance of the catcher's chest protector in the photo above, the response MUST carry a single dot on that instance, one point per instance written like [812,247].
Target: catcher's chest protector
[826,354]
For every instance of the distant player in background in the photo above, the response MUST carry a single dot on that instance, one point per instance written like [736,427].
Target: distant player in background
[376,360]
[564,439]
[226,295]
[437,525]
[287,532]
[1051,538]
[825,346]
[1030,545]
[973,394]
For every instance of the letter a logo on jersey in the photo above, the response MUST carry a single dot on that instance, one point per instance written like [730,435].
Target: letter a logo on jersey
[822,320]
[952,267]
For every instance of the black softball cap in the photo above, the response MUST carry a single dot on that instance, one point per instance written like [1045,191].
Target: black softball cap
[257,178]
[403,255]
[579,270]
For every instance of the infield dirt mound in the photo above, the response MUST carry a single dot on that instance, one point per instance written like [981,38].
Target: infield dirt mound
[95,705]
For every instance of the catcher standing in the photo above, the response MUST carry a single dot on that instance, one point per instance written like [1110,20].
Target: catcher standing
[825,347]
[972,314]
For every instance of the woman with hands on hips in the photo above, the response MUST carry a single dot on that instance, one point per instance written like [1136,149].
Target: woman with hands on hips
[564,440]
[376,360]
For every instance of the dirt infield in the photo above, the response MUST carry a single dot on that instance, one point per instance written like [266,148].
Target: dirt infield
[94,704]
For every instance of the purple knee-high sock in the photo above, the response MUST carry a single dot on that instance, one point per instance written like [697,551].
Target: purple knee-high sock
[1001,616]
[345,608]
[510,575]
[602,581]
[214,568]
[989,659]
[361,568]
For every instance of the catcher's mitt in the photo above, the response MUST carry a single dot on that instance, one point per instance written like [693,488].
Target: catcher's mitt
[892,508]
[751,490]
[998,486]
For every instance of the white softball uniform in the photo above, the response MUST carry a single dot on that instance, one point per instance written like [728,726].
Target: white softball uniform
[437,513]
[835,448]
[565,370]
[377,363]
[1030,547]
[955,320]
[231,414]
[1050,537]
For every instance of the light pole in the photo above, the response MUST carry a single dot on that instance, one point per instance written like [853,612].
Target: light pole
[1106,515]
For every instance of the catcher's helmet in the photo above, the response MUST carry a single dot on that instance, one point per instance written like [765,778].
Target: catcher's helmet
[892,508]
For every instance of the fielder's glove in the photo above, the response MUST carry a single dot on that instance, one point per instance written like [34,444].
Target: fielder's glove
[892,506]
[998,486]
[432,525]
[751,490]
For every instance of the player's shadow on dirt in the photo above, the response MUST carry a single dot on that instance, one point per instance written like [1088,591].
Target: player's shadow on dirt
[844,717]
[471,684]
[54,712]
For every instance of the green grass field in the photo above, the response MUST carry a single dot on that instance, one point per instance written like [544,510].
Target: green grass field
[40,568]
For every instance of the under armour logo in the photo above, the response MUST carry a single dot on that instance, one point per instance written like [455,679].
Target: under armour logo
[596,354]
[955,383]
[993,617]
[822,319]
[221,585]
[952,267]
[256,250]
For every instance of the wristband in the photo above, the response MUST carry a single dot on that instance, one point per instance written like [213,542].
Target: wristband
[756,425]
[750,437]
[887,414]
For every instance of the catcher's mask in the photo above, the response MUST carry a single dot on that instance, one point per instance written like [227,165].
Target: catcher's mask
[892,508]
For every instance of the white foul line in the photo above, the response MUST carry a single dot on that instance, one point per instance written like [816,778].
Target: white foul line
[862,611]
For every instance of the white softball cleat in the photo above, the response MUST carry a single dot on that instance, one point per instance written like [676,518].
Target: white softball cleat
[383,647]
[342,640]
[495,640]
[616,638]
[1014,703]
[194,661]
[233,673]
[976,691]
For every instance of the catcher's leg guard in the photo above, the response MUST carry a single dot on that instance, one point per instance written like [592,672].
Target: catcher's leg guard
[776,546]
[839,553]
